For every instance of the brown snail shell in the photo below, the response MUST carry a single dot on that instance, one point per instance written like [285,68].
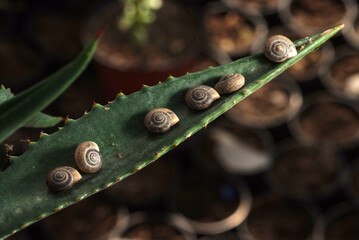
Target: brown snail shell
[200,97]
[87,157]
[160,120]
[230,83]
[62,178]
[279,48]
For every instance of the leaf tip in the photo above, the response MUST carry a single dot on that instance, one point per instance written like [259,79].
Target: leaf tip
[100,33]
[337,28]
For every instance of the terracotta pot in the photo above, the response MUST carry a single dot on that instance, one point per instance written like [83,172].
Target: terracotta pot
[265,7]
[212,204]
[233,31]
[80,96]
[342,77]
[306,17]
[234,149]
[88,219]
[352,33]
[275,218]
[274,104]
[152,225]
[174,43]
[326,119]
[338,223]
[307,173]
[224,236]
[146,187]
[352,186]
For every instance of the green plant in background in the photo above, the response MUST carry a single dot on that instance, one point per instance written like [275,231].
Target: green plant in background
[117,128]
[136,17]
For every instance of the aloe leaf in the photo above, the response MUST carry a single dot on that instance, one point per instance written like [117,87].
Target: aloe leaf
[19,110]
[40,120]
[118,128]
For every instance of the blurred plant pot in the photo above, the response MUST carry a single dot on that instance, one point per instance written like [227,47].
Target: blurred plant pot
[80,96]
[88,219]
[338,223]
[274,104]
[342,78]
[212,204]
[209,57]
[57,32]
[224,236]
[352,186]
[234,149]
[307,17]
[252,7]
[152,225]
[275,218]
[352,34]
[21,64]
[307,173]
[233,31]
[309,67]
[325,119]
[146,187]
[173,44]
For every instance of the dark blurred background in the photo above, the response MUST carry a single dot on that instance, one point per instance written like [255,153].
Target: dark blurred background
[280,165]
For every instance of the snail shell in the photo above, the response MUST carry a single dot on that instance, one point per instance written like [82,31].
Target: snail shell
[87,157]
[230,83]
[62,178]
[279,48]
[200,97]
[160,120]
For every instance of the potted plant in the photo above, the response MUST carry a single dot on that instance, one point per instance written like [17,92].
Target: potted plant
[158,38]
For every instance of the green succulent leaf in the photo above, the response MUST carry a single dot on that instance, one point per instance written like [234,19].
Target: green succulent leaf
[118,128]
[40,120]
[21,109]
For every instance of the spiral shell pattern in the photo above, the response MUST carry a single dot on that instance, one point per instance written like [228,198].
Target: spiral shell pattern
[200,97]
[160,120]
[88,158]
[279,48]
[230,83]
[62,178]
